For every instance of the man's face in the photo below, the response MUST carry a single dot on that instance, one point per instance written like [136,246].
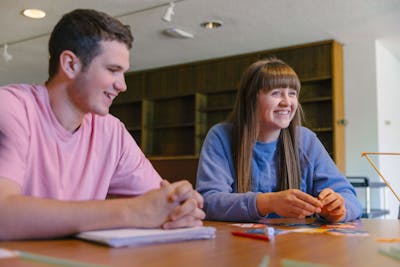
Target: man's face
[94,88]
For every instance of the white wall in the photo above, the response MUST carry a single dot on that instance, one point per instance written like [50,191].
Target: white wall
[388,88]
[361,133]
[366,110]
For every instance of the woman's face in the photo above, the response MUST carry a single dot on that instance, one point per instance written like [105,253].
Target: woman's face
[276,110]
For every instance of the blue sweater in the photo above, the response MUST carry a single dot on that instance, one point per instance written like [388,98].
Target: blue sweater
[216,178]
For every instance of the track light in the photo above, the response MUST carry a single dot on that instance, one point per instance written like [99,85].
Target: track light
[168,14]
[7,56]
[177,33]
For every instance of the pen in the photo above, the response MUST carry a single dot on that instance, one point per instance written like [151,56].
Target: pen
[264,262]
[53,260]
[391,252]
[294,263]
[250,235]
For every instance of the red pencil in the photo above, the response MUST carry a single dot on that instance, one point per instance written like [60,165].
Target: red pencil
[250,235]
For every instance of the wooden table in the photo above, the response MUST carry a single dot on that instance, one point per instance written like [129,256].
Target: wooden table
[225,249]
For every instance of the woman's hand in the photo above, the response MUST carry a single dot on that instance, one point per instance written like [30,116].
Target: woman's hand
[288,203]
[333,208]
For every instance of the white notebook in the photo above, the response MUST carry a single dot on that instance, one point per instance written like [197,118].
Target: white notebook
[135,236]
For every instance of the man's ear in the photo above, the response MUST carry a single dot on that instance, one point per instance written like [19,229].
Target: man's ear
[70,64]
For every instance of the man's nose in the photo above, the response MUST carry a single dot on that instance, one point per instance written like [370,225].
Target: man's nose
[120,85]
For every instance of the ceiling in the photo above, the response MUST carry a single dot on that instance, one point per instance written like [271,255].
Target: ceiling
[248,26]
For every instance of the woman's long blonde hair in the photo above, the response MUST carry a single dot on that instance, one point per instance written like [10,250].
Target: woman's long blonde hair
[264,75]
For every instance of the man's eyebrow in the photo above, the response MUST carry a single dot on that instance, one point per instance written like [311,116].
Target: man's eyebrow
[117,67]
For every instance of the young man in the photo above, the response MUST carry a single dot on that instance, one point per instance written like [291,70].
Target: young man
[62,154]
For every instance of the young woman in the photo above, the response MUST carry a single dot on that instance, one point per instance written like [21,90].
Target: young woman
[262,163]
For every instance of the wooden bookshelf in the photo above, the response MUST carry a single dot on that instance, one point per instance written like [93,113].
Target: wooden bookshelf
[169,110]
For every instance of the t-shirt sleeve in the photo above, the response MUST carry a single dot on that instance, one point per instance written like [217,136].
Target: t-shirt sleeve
[14,136]
[135,175]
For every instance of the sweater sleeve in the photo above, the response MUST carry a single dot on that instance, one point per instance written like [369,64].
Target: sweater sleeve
[216,181]
[327,175]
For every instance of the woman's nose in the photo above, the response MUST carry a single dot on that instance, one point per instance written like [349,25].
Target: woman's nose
[284,99]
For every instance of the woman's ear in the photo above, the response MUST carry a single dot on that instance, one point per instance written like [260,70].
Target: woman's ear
[70,64]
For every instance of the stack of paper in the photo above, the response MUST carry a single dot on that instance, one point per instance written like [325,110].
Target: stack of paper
[135,237]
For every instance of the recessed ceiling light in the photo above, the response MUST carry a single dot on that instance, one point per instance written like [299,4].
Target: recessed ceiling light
[211,24]
[34,13]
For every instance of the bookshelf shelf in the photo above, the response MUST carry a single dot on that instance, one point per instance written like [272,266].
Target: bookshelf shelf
[316,99]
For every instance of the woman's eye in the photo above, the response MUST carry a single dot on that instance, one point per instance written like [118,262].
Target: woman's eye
[275,93]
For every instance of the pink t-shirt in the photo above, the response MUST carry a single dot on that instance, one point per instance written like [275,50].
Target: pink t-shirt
[100,158]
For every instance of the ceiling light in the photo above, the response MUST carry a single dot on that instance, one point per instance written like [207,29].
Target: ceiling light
[168,14]
[34,13]
[177,33]
[211,24]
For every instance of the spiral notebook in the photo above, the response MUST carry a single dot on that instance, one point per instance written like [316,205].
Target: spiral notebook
[137,237]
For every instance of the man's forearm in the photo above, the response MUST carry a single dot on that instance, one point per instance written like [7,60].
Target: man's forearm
[26,217]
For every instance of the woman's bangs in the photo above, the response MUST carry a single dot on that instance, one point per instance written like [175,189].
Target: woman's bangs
[280,77]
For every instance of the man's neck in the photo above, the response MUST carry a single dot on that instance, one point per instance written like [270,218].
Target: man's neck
[64,110]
